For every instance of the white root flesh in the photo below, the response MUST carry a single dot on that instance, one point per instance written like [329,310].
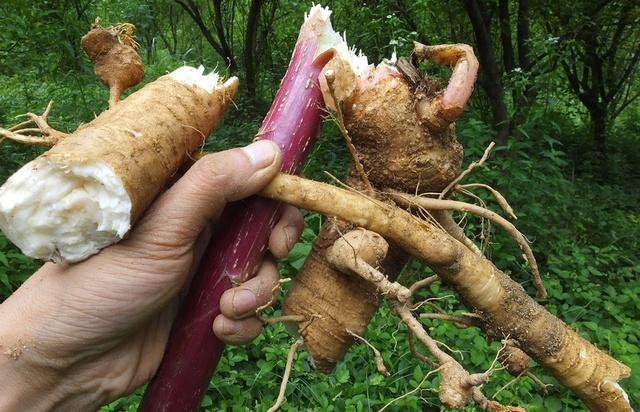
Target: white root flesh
[53,211]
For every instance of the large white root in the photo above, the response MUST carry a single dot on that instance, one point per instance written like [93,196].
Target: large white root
[87,191]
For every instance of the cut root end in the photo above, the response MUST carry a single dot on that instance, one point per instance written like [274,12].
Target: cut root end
[64,211]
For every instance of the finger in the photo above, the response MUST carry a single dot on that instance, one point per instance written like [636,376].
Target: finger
[286,232]
[213,181]
[242,301]
[238,325]
[237,332]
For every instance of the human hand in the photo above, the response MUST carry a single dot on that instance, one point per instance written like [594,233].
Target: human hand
[76,336]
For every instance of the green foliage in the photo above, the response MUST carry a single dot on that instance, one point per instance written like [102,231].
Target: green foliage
[580,214]
[15,267]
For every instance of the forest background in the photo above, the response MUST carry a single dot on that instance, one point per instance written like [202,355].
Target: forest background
[557,91]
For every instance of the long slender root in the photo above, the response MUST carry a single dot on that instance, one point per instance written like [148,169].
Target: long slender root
[286,318]
[458,387]
[411,338]
[459,321]
[312,319]
[516,362]
[443,204]
[45,135]
[330,78]
[411,392]
[457,384]
[485,232]
[501,200]
[274,296]
[423,283]
[451,227]
[469,169]
[379,361]
[285,377]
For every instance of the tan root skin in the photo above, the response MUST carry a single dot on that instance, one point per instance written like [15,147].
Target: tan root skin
[347,303]
[504,308]
[111,168]
[395,149]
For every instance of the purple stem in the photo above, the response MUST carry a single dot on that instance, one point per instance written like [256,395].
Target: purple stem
[294,122]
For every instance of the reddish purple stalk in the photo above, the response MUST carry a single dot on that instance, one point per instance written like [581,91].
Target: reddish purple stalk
[193,351]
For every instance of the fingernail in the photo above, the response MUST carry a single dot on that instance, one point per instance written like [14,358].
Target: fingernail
[244,301]
[262,153]
[230,327]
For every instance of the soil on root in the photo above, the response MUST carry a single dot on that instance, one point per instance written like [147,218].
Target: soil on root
[395,149]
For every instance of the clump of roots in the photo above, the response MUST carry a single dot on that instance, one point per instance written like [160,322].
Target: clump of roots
[398,126]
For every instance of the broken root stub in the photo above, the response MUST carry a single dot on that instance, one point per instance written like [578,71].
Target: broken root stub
[515,361]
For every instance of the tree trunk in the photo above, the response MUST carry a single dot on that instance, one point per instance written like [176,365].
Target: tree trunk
[602,54]
[492,81]
[249,48]
[227,52]
[220,46]
[599,126]
[523,99]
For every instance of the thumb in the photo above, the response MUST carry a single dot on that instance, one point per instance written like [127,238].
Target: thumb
[213,181]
